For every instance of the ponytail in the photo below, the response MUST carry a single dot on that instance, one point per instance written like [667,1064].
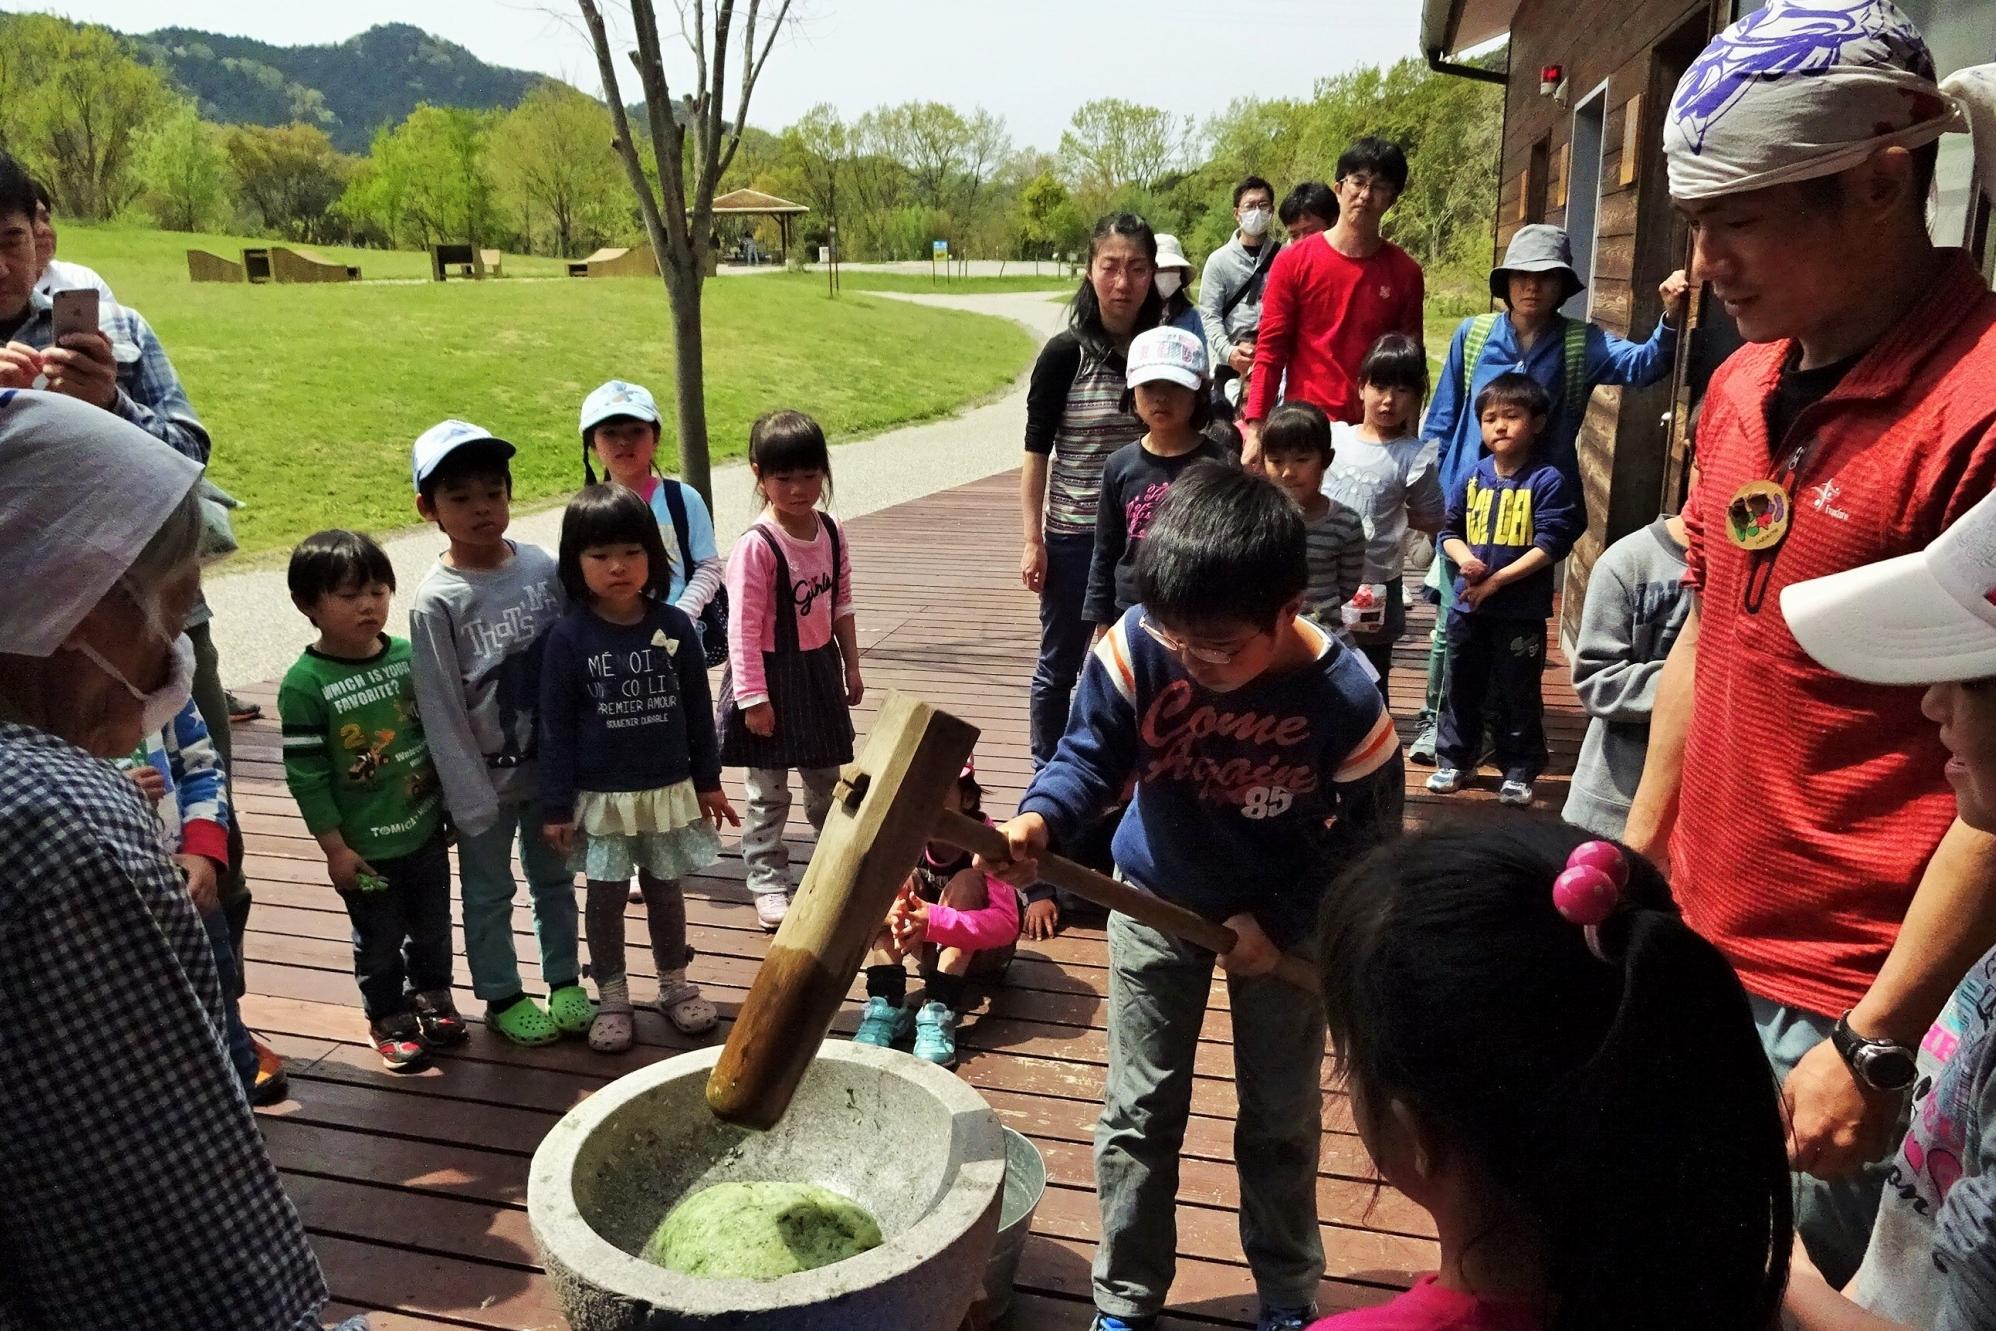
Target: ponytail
[1671,1205]
[1619,1097]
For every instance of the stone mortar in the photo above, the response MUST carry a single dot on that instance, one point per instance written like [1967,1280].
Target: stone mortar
[908,1141]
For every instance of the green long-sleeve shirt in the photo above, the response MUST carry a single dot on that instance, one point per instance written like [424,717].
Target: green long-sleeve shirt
[354,753]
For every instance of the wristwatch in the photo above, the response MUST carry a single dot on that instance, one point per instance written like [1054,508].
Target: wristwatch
[1883,1065]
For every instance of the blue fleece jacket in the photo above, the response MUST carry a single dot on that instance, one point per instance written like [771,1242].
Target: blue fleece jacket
[1246,801]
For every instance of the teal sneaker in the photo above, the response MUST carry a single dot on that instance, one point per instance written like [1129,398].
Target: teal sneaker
[1422,750]
[881,1023]
[935,1035]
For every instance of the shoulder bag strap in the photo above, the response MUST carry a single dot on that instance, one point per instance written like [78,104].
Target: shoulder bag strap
[1480,330]
[1576,368]
[1261,266]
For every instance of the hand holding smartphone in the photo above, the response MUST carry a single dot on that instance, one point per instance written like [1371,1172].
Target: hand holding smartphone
[75,312]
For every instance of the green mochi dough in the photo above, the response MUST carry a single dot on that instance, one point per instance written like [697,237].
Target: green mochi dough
[760,1231]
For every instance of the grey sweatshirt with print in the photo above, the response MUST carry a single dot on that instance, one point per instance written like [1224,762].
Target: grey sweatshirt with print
[1636,604]
[476,637]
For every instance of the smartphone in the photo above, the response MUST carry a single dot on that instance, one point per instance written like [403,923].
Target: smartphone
[75,312]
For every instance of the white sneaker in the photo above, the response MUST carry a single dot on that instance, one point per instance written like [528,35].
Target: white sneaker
[1515,793]
[1445,781]
[770,908]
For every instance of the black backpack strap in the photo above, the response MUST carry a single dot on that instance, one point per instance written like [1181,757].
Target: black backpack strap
[838,557]
[675,507]
[786,596]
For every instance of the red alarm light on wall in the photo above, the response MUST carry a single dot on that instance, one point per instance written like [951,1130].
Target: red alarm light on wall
[1549,77]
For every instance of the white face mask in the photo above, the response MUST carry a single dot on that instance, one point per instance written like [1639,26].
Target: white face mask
[162,705]
[158,708]
[1168,283]
[1254,222]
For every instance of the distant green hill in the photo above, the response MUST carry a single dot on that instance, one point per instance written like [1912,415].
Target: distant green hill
[349,89]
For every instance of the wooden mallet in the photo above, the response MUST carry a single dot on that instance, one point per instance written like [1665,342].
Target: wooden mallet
[889,803]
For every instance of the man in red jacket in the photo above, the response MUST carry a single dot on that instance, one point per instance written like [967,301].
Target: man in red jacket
[1807,820]
[1330,297]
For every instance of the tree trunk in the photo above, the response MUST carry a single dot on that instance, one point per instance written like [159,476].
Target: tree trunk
[683,286]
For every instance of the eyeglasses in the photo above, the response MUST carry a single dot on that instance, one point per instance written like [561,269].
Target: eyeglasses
[1367,185]
[1215,656]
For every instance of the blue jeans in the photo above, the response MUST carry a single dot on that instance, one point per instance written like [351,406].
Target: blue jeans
[485,877]
[1064,636]
[1157,1000]
[242,1054]
[1833,1216]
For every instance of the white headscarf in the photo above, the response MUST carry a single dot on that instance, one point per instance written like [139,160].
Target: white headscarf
[81,493]
[1807,88]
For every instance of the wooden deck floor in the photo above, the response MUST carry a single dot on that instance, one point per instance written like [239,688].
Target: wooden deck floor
[414,1187]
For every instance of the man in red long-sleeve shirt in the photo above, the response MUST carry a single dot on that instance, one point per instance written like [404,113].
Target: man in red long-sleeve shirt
[1329,298]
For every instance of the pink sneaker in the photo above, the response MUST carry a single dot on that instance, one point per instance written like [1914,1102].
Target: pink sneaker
[770,908]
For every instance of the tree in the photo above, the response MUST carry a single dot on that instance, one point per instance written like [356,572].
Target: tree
[426,180]
[695,145]
[820,146]
[1049,224]
[1111,143]
[76,103]
[554,160]
[184,170]
[289,175]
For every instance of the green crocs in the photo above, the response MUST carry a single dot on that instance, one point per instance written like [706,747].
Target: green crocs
[571,1010]
[526,1024]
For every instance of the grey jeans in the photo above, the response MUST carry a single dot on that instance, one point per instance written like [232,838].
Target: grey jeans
[1833,1216]
[764,850]
[1157,1001]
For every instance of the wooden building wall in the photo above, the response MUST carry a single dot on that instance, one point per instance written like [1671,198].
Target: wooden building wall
[1636,48]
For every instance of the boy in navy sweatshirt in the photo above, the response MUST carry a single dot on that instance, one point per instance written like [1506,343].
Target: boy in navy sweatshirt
[1509,521]
[1263,760]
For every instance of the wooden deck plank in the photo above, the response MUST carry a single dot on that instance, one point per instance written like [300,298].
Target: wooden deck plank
[414,1186]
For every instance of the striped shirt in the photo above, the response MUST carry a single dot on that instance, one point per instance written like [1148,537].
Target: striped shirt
[1246,801]
[1074,410]
[1336,541]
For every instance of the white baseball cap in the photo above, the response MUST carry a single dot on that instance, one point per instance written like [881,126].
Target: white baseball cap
[1169,353]
[445,438]
[618,398]
[1171,254]
[1926,618]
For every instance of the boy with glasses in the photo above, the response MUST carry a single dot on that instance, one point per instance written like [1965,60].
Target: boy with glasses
[1263,759]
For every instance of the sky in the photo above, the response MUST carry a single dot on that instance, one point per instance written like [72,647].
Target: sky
[1030,61]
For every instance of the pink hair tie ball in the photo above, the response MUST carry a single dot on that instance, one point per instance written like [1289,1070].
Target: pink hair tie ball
[1603,855]
[1589,889]
[1585,895]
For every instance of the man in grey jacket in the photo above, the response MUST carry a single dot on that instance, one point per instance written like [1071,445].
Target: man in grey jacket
[1636,603]
[1230,287]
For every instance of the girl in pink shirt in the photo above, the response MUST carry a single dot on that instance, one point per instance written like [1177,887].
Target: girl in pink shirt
[1545,1057]
[962,923]
[793,651]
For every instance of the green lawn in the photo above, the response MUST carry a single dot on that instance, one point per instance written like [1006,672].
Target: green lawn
[314,392]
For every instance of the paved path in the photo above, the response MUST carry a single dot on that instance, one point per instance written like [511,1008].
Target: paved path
[258,633]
